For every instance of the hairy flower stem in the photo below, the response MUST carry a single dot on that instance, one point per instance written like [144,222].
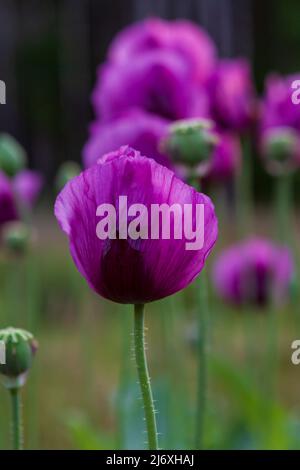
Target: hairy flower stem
[17,430]
[201,287]
[143,375]
[202,323]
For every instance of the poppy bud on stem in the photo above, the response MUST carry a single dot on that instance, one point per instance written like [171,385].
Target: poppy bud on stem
[190,142]
[143,374]
[20,348]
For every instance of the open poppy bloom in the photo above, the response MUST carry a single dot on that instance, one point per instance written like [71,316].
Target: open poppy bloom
[138,129]
[255,271]
[182,37]
[232,95]
[277,107]
[279,127]
[158,82]
[135,266]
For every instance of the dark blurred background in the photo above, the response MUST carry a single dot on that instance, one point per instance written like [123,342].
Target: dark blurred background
[49,52]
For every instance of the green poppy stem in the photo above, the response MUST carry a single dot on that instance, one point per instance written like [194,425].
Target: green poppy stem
[143,375]
[283,204]
[201,287]
[202,324]
[283,229]
[244,189]
[17,430]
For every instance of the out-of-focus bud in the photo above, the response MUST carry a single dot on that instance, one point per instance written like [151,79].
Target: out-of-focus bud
[16,237]
[20,348]
[190,143]
[280,147]
[66,172]
[12,155]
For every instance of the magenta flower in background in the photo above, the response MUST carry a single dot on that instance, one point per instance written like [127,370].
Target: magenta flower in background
[27,186]
[277,108]
[232,95]
[158,82]
[8,209]
[253,271]
[279,127]
[184,38]
[127,270]
[138,129]
[226,157]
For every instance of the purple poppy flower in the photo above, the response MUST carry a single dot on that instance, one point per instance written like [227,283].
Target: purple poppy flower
[8,209]
[279,131]
[27,185]
[183,37]
[158,82]
[121,268]
[138,129]
[253,271]
[232,94]
[277,108]
[226,157]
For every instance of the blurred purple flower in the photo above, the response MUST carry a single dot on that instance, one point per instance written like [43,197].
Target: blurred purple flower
[277,108]
[8,209]
[253,271]
[189,41]
[27,185]
[158,82]
[232,94]
[226,158]
[126,270]
[138,129]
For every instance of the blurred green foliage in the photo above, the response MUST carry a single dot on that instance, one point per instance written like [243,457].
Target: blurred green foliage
[73,398]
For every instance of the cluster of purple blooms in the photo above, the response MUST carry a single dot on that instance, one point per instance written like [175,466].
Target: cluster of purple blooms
[158,72]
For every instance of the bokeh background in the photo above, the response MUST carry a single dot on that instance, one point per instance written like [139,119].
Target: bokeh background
[49,52]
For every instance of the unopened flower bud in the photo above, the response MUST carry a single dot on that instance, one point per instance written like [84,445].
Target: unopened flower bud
[190,142]
[281,150]
[20,348]
[12,155]
[66,172]
[16,237]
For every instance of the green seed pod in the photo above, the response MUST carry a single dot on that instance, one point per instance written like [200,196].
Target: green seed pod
[12,155]
[16,237]
[66,172]
[281,150]
[20,348]
[190,142]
